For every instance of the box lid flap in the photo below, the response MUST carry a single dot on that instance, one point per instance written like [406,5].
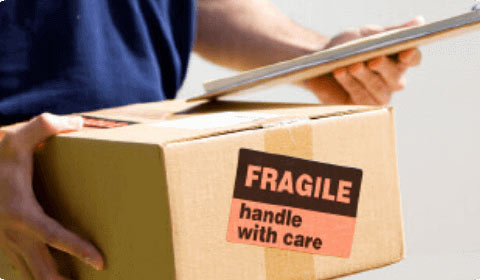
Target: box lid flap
[178,120]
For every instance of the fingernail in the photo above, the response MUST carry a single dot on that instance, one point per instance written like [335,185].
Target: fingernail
[88,260]
[406,56]
[92,263]
[355,67]
[340,72]
[402,83]
[375,63]
[75,122]
[419,20]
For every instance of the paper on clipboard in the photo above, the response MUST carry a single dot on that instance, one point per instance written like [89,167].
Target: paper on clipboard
[325,61]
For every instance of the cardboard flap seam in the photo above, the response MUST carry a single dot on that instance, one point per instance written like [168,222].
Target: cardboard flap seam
[348,112]
[271,123]
[286,122]
[212,134]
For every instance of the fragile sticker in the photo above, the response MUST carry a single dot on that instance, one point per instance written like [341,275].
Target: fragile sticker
[94,122]
[294,204]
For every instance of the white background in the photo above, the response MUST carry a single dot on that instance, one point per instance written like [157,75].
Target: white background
[438,132]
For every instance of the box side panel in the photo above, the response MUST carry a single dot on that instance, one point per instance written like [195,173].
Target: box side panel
[365,141]
[201,177]
[113,194]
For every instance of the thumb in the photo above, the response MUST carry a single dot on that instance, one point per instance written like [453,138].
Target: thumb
[419,20]
[55,235]
[41,127]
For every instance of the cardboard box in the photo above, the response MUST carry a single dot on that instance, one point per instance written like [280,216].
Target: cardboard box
[168,194]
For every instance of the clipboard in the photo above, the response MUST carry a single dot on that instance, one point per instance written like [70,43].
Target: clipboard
[326,61]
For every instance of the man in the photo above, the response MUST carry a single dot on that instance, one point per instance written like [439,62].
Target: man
[79,55]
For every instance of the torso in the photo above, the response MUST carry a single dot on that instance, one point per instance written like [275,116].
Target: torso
[81,55]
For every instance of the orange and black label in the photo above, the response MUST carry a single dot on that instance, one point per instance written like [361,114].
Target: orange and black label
[95,122]
[292,203]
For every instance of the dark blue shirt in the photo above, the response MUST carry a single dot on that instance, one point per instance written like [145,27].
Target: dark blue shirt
[80,55]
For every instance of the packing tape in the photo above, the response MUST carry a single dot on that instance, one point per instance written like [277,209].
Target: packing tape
[296,141]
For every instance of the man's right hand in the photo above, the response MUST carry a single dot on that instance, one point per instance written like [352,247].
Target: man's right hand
[25,229]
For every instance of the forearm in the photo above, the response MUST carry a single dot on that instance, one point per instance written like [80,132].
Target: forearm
[250,33]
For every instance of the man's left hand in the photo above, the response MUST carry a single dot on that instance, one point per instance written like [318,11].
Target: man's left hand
[367,83]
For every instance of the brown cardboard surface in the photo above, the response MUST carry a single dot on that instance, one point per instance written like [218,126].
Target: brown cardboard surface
[380,202]
[156,200]
[379,230]
[121,188]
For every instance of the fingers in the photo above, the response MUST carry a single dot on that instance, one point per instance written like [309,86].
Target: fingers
[410,58]
[40,128]
[390,71]
[419,20]
[328,90]
[18,263]
[39,260]
[52,233]
[372,82]
[358,93]
[372,29]
[369,30]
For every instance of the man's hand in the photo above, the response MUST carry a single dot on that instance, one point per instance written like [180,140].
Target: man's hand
[252,33]
[366,83]
[25,230]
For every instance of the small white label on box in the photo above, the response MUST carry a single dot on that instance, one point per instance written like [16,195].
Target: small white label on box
[215,120]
